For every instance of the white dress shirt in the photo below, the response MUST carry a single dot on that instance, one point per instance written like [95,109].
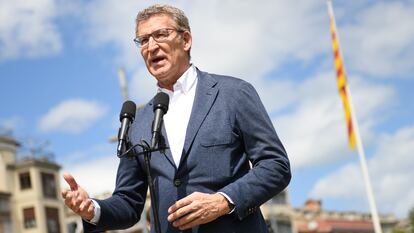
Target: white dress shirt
[179,111]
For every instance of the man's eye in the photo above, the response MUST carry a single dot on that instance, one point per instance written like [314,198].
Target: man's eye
[161,35]
[144,41]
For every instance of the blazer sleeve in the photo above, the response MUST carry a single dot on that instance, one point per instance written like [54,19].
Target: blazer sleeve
[270,173]
[123,209]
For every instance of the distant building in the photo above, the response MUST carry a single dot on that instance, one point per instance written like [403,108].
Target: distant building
[313,219]
[29,192]
[278,214]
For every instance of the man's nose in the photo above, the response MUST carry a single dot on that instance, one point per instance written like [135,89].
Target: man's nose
[152,44]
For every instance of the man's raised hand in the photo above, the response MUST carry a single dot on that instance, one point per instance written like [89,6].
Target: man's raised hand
[77,199]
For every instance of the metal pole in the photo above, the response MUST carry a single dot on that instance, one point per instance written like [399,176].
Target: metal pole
[360,148]
[364,168]
[154,203]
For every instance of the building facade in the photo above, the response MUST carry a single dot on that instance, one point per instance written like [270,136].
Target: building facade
[278,214]
[311,218]
[29,192]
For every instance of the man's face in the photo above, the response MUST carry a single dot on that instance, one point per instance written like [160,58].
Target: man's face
[166,60]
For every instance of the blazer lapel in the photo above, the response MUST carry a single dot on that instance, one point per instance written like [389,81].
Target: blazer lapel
[205,96]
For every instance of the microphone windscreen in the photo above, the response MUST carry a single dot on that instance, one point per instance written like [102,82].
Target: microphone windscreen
[161,100]
[128,110]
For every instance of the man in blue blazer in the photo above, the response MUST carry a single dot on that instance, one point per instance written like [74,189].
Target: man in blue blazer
[224,158]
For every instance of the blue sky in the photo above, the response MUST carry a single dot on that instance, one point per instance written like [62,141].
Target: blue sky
[58,83]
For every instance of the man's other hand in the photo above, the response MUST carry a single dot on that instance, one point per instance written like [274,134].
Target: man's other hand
[196,209]
[77,199]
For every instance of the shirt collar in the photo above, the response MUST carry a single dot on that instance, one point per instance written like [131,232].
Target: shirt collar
[185,82]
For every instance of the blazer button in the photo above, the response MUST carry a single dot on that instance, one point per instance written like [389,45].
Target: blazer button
[177,182]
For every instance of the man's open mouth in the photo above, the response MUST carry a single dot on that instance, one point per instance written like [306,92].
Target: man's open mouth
[157,59]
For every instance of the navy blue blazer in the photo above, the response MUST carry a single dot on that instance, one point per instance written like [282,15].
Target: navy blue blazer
[228,128]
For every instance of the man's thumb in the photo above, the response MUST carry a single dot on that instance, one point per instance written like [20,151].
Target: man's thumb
[71,181]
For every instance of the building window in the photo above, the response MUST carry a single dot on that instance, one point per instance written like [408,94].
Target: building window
[4,206]
[279,226]
[25,182]
[284,227]
[49,185]
[52,220]
[29,218]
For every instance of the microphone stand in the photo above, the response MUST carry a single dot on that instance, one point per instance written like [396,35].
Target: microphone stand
[154,203]
[147,157]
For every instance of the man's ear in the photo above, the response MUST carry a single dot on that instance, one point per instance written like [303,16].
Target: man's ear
[188,40]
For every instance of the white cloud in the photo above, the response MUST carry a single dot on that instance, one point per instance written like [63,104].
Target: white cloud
[72,116]
[97,178]
[27,29]
[250,40]
[94,169]
[108,22]
[345,184]
[143,86]
[233,44]
[314,132]
[379,39]
[390,171]
[255,39]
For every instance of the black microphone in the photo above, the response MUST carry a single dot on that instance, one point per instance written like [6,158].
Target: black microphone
[161,101]
[126,117]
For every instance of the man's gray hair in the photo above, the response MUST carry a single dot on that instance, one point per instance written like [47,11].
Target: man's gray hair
[176,14]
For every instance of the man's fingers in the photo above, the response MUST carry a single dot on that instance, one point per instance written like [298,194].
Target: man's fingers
[85,205]
[188,225]
[91,208]
[180,212]
[68,199]
[71,181]
[190,219]
[181,203]
[77,201]
[64,193]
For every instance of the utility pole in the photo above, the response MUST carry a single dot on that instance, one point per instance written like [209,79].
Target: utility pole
[123,84]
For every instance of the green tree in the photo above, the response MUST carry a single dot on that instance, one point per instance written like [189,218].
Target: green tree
[407,228]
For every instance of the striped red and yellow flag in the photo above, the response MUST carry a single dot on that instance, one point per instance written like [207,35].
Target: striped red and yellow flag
[341,79]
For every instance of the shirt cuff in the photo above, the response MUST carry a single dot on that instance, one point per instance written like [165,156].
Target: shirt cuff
[97,210]
[229,200]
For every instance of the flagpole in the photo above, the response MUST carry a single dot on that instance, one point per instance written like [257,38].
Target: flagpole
[364,168]
[358,141]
